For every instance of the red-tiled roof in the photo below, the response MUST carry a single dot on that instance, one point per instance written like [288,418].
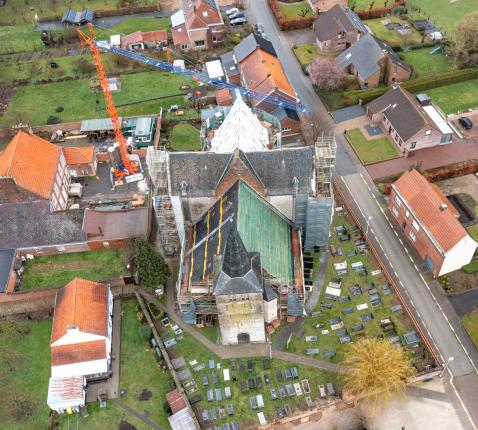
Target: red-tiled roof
[201,14]
[144,36]
[32,162]
[425,202]
[81,304]
[78,352]
[175,401]
[79,154]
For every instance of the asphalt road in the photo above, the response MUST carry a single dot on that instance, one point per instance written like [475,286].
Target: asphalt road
[435,316]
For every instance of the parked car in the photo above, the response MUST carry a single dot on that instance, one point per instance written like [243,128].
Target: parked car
[238,21]
[259,30]
[232,11]
[465,122]
[237,15]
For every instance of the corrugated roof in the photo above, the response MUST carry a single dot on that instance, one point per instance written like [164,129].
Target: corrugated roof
[79,154]
[97,124]
[32,162]
[425,203]
[82,304]
[175,401]
[182,420]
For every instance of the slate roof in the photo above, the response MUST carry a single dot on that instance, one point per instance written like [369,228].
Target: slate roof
[336,20]
[269,293]
[425,203]
[7,257]
[229,64]
[31,224]
[276,169]
[249,44]
[282,113]
[403,111]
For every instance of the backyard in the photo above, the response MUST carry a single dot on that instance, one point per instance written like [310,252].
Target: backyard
[57,270]
[456,98]
[470,322]
[185,137]
[144,93]
[425,64]
[190,349]
[371,151]
[392,36]
[361,303]
[306,53]
[295,10]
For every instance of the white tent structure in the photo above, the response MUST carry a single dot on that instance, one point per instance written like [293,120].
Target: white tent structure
[240,130]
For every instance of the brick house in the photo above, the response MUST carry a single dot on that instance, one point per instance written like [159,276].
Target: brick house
[80,338]
[338,29]
[261,70]
[430,223]
[198,25]
[80,160]
[36,167]
[140,40]
[373,62]
[410,125]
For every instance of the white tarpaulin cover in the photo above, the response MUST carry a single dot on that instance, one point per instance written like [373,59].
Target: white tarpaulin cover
[240,130]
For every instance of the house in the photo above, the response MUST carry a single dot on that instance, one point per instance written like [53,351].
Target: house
[410,124]
[231,69]
[80,160]
[8,276]
[197,25]
[321,6]
[338,29]
[430,223]
[36,168]
[261,71]
[80,342]
[140,40]
[373,62]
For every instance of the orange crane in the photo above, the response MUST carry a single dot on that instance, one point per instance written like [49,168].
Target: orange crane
[127,167]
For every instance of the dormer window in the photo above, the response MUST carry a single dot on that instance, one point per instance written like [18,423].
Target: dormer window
[204,14]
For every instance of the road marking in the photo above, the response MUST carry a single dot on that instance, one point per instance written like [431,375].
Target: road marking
[467,412]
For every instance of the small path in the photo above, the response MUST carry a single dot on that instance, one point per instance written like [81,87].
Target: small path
[318,283]
[137,414]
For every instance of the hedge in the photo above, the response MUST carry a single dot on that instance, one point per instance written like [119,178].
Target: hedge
[287,23]
[415,85]
[378,12]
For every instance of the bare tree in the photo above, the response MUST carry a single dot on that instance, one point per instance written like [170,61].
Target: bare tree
[371,5]
[327,74]
[465,46]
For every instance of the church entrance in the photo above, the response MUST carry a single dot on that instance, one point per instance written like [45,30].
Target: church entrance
[243,338]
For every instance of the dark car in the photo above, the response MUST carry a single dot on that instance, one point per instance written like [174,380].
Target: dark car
[465,122]
[238,21]
[236,15]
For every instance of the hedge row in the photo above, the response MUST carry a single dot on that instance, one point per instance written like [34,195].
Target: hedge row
[378,12]
[415,85]
[287,23]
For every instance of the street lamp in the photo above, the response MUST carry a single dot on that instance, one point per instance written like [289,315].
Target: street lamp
[370,218]
[446,366]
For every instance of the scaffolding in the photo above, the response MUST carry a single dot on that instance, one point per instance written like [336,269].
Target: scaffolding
[325,154]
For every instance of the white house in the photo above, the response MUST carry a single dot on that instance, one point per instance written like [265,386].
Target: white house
[81,337]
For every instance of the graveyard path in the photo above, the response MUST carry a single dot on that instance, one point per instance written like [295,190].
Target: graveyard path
[234,351]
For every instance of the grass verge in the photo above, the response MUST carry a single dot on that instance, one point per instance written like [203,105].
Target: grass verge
[455,98]
[470,322]
[371,151]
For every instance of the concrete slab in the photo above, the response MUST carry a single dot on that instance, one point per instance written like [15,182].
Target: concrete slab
[373,130]
[347,113]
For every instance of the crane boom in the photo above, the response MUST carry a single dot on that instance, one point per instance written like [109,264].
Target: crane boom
[201,76]
[127,167]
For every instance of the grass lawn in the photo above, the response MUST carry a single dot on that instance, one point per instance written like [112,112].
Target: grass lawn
[372,328]
[365,4]
[292,10]
[470,322]
[211,332]
[371,151]
[306,53]
[131,25]
[79,101]
[393,37]
[24,373]
[425,64]
[185,137]
[18,38]
[443,13]
[473,231]
[190,349]
[471,267]
[57,270]
[455,98]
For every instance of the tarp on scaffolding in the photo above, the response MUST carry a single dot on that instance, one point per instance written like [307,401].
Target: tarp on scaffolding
[240,130]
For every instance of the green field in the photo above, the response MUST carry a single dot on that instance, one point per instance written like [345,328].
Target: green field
[444,14]
[292,10]
[393,37]
[57,270]
[191,349]
[470,322]
[455,98]
[425,64]
[371,151]
[185,137]
[34,104]
[24,373]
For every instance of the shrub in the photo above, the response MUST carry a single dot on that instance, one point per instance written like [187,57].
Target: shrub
[145,332]
[53,120]
[287,23]
[59,109]
[151,268]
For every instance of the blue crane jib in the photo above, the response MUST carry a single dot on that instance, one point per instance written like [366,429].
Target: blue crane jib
[203,77]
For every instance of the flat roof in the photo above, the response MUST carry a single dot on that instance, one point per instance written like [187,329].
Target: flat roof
[439,121]
[97,124]
[143,126]
[214,69]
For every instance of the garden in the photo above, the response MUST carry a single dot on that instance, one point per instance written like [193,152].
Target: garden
[356,301]
[185,137]
[455,98]
[426,64]
[387,30]
[373,150]
[295,10]
[58,270]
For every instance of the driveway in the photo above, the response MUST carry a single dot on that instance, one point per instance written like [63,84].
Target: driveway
[464,302]
[473,132]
